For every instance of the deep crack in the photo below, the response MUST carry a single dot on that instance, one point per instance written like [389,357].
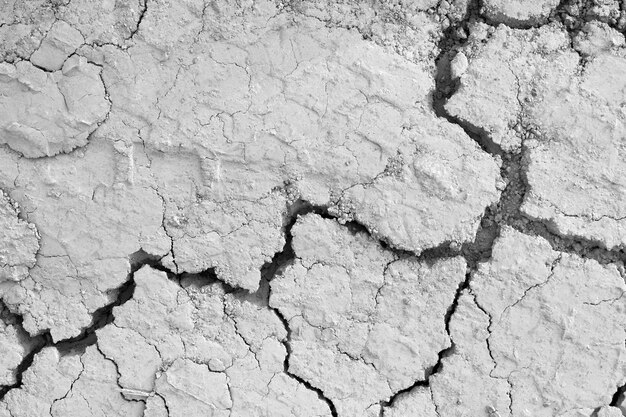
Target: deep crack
[274,268]
[507,211]
[474,252]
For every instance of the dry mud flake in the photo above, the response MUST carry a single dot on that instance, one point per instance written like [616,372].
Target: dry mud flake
[70,384]
[89,225]
[574,165]
[175,349]
[494,77]
[608,411]
[60,42]
[558,335]
[539,333]
[191,347]
[363,324]
[590,153]
[463,386]
[43,114]
[288,103]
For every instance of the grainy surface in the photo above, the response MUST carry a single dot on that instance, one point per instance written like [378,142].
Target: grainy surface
[312,208]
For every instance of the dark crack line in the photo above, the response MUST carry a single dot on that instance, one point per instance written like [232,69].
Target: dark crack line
[473,253]
[167,408]
[102,316]
[507,211]
[275,267]
[287,344]
[302,207]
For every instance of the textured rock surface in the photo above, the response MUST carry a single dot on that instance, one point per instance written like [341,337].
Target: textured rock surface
[354,311]
[589,151]
[539,333]
[69,385]
[527,84]
[365,142]
[312,208]
[201,349]
[560,343]
[23,25]
[84,253]
[19,242]
[495,90]
[215,122]
[42,113]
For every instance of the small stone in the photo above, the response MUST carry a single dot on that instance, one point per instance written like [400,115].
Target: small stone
[459,65]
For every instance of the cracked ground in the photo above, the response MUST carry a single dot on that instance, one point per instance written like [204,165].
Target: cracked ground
[379,208]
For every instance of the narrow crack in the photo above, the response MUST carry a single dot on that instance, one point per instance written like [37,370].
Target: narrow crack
[164,223]
[555,263]
[489,326]
[142,13]
[69,391]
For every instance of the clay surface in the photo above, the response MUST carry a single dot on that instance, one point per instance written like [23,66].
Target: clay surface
[312,208]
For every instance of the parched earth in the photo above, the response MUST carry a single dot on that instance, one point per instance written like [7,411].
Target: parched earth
[313,208]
